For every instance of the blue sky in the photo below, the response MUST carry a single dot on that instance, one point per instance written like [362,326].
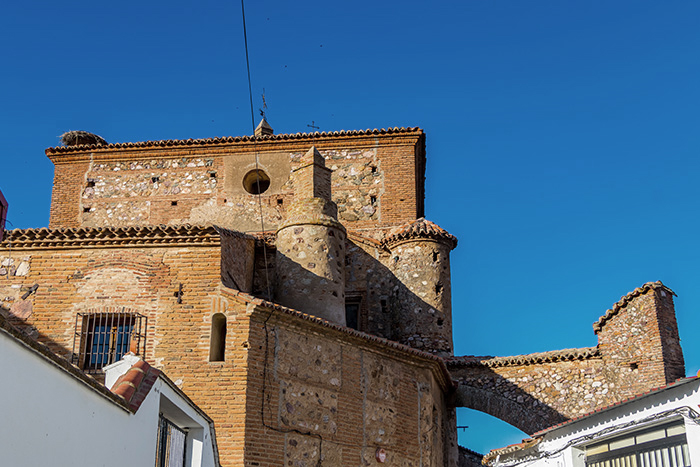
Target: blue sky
[562,137]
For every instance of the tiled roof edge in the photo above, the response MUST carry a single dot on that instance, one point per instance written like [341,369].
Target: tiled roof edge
[111,236]
[648,392]
[234,139]
[60,362]
[525,444]
[530,359]
[622,303]
[419,228]
[246,298]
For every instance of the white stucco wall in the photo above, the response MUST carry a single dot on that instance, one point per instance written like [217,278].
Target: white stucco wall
[48,417]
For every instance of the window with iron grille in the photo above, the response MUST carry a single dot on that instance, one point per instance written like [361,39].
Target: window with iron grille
[104,338]
[170,451]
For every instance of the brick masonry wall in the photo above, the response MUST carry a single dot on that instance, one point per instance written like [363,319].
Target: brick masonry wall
[332,395]
[203,184]
[143,280]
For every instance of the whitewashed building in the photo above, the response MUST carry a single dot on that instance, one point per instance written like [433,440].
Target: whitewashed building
[54,414]
[660,428]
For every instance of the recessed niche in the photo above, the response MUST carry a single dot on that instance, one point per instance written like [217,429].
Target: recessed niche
[256,182]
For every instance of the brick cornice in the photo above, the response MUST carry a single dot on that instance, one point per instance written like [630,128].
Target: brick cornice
[105,237]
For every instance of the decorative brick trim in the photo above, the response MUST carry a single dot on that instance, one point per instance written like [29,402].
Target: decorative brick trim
[622,303]
[531,359]
[104,237]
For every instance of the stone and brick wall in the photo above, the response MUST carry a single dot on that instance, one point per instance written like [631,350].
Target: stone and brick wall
[342,397]
[377,180]
[536,391]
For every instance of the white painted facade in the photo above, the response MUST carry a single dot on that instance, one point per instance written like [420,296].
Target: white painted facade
[50,415]
[565,445]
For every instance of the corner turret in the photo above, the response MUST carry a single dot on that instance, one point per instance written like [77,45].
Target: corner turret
[420,259]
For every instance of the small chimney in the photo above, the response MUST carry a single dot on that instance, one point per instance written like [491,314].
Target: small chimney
[264,128]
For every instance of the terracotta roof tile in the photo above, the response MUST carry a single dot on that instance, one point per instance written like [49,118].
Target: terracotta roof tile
[622,303]
[616,404]
[531,359]
[134,385]
[111,236]
[233,139]
[420,228]
[525,444]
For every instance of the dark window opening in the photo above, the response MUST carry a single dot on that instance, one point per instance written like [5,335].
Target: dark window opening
[170,451]
[212,174]
[155,179]
[384,306]
[352,313]
[104,338]
[634,365]
[256,182]
[440,321]
[173,203]
[90,183]
[435,256]
[373,199]
[87,209]
[438,288]
[217,349]
[374,170]
[280,201]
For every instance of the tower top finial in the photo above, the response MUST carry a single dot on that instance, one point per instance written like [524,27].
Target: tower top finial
[264,128]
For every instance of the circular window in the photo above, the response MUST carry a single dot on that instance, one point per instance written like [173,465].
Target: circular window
[256,182]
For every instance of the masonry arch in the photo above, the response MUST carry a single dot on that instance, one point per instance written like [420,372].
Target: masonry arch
[523,411]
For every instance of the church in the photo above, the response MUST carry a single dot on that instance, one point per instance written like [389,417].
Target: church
[291,286]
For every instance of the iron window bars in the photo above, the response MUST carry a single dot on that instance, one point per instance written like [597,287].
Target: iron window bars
[104,338]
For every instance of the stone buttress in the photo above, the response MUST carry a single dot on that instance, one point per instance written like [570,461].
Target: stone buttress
[422,303]
[311,246]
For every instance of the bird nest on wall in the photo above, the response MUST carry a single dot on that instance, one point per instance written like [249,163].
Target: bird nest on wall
[77,138]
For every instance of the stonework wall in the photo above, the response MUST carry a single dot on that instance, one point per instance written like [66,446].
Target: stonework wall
[533,392]
[332,396]
[196,184]
[424,299]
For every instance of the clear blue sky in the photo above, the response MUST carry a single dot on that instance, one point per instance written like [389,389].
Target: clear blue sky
[562,137]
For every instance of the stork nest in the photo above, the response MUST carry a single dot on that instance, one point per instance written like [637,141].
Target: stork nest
[77,138]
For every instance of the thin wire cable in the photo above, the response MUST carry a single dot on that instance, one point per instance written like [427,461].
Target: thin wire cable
[267,278]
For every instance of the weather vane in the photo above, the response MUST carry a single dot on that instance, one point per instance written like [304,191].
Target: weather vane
[313,125]
[264,106]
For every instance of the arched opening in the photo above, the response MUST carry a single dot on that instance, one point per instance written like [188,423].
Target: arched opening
[484,432]
[217,350]
[256,182]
